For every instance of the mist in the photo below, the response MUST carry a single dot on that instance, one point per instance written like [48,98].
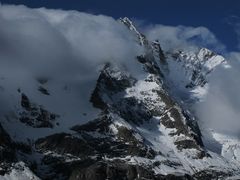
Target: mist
[69,48]
[220,109]
[183,37]
[59,43]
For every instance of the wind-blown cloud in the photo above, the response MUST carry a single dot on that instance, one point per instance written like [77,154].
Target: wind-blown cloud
[220,110]
[46,41]
[179,37]
[67,47]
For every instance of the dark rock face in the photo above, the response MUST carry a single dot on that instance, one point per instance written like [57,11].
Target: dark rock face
[114,145]
[108,84]
[111,170]
[86,145]
[157,49]
[100,125]
[127,110]
[65,144]
[174,120]
[93,142]
[211,175]
[6,143]
[34,115]
[43,90]
[7,151]
[118,170]
[149,65]
[25,102]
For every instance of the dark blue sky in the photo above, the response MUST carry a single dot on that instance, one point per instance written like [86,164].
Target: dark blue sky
[213,14]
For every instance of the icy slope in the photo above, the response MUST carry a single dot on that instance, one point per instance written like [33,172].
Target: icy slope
[189,70]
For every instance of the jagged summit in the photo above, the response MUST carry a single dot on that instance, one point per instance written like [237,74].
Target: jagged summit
[189,68]
[190,72]
[130,25]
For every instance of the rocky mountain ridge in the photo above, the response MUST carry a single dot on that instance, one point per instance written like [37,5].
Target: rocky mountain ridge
[141,130]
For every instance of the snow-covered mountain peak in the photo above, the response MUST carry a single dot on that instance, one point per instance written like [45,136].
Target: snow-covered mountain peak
[205,53]
[131,26]
[201,58]
[210,59]
[189,71]
[116,124]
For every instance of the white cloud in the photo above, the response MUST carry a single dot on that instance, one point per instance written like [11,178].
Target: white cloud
[220,110]
[68,47]
[181,37]
[47,41]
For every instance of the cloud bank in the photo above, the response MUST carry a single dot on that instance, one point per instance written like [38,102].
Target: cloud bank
[54,41]
[182,37]
[220,110]
[66,47]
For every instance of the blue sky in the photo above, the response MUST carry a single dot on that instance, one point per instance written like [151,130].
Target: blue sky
[221,17]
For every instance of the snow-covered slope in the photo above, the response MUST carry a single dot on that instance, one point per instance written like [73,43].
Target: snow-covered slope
[19,171]
[189,70]
[120,124]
